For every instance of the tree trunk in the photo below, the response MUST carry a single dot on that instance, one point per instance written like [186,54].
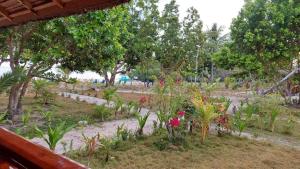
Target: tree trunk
[112,79]
[106,79]
[15,99]
[281,81]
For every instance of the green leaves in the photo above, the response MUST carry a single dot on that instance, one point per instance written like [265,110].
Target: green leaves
[11,78]
[267,31]
[54,134]
[141,121]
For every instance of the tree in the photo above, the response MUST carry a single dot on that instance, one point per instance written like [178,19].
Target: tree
[193,40]
[35,48]
[170,52]
[214,41]
[145,25]
[268,31]
[101,39]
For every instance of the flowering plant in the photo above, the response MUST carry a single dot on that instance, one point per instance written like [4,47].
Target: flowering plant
[142,100]
[175,122]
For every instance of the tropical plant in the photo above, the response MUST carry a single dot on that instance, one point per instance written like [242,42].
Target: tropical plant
[206,114]
[227,82]
[239,123]
[108,94]
[91,143]
[53,134]
[47,115]
[132,106]
[26,117]
[162,118]
[272,118]
[11,78]
[39,86]
[209,87]
[106,145]
[3,117]
[118,105]
[249,110]
[123,133]
[289,125]
[141,121]
[47,97]
[102,112]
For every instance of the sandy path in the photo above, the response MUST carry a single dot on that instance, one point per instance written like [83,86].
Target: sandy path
[106,129]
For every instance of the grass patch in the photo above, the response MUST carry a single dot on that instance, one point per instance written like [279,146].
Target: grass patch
[217,152]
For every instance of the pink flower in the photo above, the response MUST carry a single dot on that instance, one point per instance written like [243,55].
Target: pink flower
[175,122]
[181,113]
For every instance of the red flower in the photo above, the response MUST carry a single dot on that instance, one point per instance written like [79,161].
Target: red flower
[181,113]
[162,83]
[143,100]
[175,122]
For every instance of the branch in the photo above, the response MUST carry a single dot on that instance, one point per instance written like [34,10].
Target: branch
[297,70]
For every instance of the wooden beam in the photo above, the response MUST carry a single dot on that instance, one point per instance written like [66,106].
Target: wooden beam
[31,155]
[59,3]
[5,13]
[28,5]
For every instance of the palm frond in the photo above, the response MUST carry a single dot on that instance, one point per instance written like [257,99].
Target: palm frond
[11,78]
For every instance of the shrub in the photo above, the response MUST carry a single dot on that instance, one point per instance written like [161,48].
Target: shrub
[2,117]
[26,117]
[118,105]
[91,143]
[227,82]
[54,134]
[123,133]
[206,114]
[289,125]
[102,112]
[272,119]
[239,123]
[47,97]
[39,86]
[47,115]
[161,144]
[142,122]
[108,94]
[132,106]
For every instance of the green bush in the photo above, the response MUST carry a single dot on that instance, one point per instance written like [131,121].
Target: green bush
[289,125]
[108,94]
[161,144]
[227,82]
[102,112]
[123,133]
[39,86]
[47,97]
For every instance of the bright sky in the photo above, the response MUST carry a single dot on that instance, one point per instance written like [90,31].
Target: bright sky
[219,11]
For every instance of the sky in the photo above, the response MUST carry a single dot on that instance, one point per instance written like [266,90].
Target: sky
[220,11]
[211,11]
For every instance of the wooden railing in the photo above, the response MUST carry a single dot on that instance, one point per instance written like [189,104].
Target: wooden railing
[19,153]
